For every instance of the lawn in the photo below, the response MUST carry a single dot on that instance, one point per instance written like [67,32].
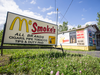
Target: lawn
[46,62]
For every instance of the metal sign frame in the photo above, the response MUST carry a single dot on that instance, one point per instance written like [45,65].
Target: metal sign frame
[33,19]
[26,47]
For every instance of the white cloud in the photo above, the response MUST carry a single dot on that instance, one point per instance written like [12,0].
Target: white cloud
[71,26]
[83,19]
[52,12]
[45,9]
[80,1]
[90,23]
[10,5]
[39,7]
[48,17]
[33,2]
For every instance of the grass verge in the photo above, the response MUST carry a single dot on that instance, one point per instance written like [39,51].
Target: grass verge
[46,62]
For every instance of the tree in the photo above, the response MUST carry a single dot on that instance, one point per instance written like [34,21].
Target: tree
[70,29]
[63,27]
[60,28]
[98,23]
[87,25]
[1,33]
[79,26]
[73,28]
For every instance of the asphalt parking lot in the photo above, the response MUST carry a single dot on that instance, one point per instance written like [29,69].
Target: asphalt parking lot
[92,53]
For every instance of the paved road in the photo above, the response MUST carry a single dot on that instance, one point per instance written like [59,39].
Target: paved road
[92,53]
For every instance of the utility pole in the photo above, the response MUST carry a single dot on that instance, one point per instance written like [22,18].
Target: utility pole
[57,17]
[57,22]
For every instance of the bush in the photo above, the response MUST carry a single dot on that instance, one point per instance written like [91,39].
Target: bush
[41,62]
[1,33]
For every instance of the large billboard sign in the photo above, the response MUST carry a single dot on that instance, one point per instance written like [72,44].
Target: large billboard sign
[80,37]
[72,37]
[64,38]
[92,41]
[24,30]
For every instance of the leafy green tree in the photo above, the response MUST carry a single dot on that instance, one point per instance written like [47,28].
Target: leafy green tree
[79,26]
[60,28]
[87,24]
[63,27]
[1,33]
[70,29]
[98,23]
[73,28]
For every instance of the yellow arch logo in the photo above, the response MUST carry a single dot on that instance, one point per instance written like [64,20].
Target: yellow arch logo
[20,23]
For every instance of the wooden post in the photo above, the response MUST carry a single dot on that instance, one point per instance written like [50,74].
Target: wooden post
[3,39]
[62,48]
[1,52]
[50,49]
[55,46]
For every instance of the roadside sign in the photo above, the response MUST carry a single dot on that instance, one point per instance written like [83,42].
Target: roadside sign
[24,30]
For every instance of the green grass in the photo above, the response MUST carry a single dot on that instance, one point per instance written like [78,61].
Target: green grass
[43,62]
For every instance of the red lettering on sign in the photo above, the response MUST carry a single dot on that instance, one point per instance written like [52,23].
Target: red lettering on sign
[42,30]
[65,41]
[80,34]
[34,24]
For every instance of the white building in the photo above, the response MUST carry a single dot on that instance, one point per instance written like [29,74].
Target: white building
[85,38]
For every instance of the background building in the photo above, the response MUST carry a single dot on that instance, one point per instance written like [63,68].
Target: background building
[85,38]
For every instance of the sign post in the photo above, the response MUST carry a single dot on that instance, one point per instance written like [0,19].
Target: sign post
[2,40]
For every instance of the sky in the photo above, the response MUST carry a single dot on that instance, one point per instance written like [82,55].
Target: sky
[80,12]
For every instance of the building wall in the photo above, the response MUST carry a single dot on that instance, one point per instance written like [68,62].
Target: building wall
[86,37]
[77,47]
[91,30]
[66,43]
[64,39]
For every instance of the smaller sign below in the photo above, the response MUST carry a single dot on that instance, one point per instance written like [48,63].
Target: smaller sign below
[80,42]
[51,40]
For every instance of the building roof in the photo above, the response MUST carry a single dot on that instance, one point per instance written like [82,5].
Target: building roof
[97,31]
[94,25]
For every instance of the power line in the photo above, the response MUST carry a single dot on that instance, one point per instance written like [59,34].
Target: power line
[66,10]
[66,19]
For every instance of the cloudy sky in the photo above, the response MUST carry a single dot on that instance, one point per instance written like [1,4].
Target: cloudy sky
[81,12]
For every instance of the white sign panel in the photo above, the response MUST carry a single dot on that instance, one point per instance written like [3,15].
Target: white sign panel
[64,38]
[24,30]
